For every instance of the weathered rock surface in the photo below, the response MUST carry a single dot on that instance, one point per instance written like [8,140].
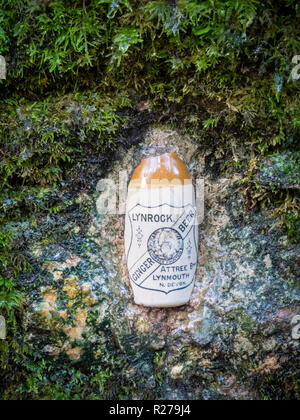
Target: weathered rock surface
[232,341]
[281,171]
[2,328]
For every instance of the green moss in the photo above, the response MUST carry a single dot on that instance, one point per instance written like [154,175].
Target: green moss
[74,67]
[148,40]
[40,139]
[279,387]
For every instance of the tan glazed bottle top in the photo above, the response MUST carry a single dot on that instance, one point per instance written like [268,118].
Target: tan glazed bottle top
[160,171]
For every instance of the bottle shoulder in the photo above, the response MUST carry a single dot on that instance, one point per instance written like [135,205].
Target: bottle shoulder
[160,171]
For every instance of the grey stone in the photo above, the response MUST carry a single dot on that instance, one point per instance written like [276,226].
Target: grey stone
[2,68]
[2,328]
[237,325]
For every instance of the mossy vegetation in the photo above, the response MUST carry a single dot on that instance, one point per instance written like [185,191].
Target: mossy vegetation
[218,69]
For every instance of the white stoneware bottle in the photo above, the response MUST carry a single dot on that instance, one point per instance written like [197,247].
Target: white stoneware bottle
[161,232]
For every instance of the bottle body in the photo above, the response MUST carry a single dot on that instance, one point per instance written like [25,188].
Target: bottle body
[161,234]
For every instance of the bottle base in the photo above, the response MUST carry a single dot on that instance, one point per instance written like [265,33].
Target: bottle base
[162,305]
[154,299]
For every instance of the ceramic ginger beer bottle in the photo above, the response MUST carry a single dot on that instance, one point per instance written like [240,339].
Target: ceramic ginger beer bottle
[161,233]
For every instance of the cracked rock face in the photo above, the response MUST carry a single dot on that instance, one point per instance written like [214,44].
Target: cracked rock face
[236,330]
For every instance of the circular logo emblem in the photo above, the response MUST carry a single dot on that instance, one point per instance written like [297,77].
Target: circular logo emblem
[165,246]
